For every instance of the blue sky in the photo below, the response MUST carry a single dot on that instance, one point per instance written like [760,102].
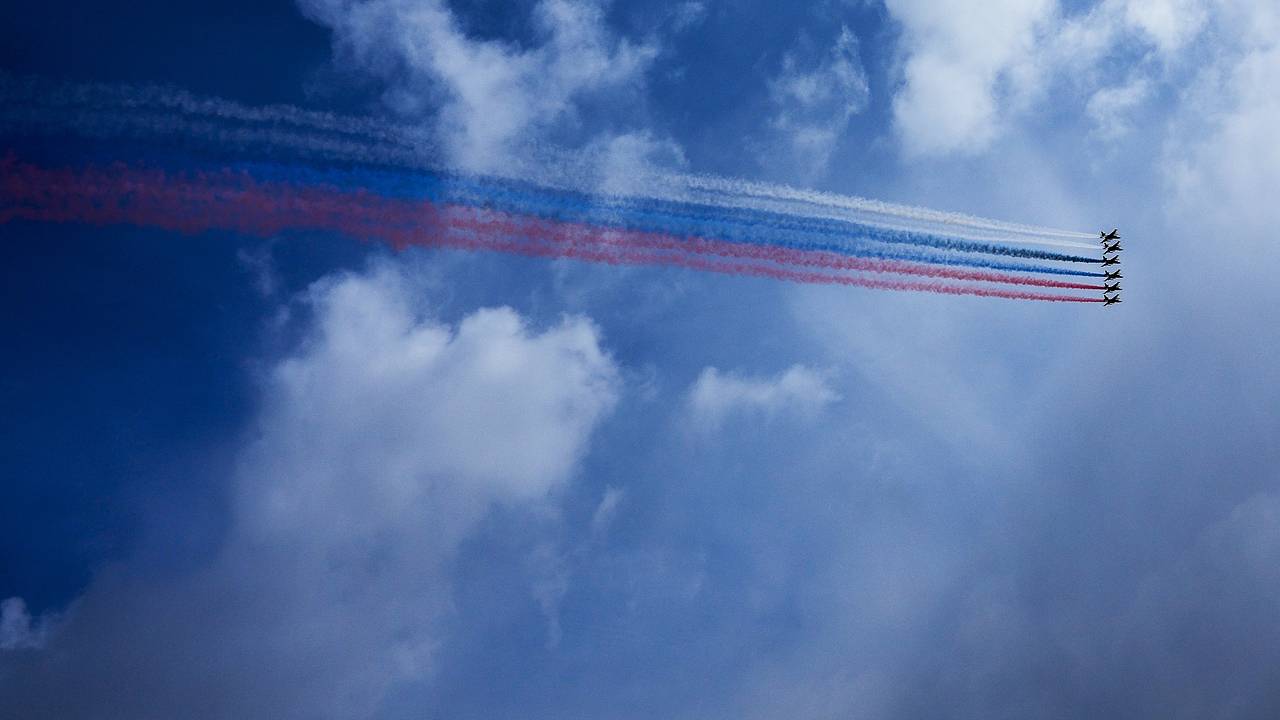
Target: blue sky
[308,478]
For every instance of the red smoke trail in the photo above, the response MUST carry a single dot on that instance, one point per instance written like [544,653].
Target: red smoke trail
[580,233]
[631,257]
[563,244]
[198,202]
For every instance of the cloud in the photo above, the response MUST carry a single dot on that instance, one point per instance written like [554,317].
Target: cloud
[688,14]
[956,55]
[715,395]
[969,73]
[1168,24]
[1250,534]
[1109,107]
[260,264]
[1026,511]
[813,100]
[381,445]
[605,511]
[17,629]
[1127,578]
[1221,156]
[626,162]
[485,96]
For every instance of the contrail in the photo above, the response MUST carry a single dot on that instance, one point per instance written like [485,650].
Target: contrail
[888,211]
[503,223]
[235,200]
[740,225]
[136,111]
[142,100]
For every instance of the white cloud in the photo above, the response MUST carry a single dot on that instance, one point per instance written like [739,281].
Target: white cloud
[485,95]
[608,507]
[1248,23]
[813,102]
[716,395]
[381,445]
[688,14]
[381,381]
[969,71]
[625,163]
[1109,108]
[17,629]
[956,55]
[1222,157]
[1251,535]
[550,572]
[259,263]
[1168,24]
[550,566]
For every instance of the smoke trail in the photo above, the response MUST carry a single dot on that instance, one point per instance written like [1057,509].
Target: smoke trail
[786,254]
[139,110]
[738,225]
[672,216]
[505,224]
[650,215]
[818,199]
[231,200]
[37,94]
[744,269]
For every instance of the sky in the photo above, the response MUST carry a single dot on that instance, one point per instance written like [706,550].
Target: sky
[304,477]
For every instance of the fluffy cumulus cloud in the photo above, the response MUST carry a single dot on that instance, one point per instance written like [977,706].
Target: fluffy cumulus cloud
[1109,108]
[381,445]
[717,395]
[485,95]
[1013,554]
[1221,154]
[971,73]
[956,58]
[626,162]
[1168,24]
[1027,511]
[814,96]
[1058,563]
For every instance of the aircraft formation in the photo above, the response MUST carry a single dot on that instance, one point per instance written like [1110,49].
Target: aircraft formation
[168,160]
[1111,256]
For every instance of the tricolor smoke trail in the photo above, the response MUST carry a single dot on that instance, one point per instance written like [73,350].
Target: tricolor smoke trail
[738,225]
[279,169]
[129,111]
[237,201]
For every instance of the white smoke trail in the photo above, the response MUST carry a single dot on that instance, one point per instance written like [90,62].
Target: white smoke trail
[570,172]
[101,111]
[889,211]
[35,93]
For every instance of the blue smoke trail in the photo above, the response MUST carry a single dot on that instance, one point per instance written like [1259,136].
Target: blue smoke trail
[638,213]
[739,225]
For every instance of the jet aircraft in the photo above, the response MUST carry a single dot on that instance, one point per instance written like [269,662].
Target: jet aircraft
[1107,237]
[1110,288]
[1111,248]
[1113,260]
[1113,275]
[1110,300]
